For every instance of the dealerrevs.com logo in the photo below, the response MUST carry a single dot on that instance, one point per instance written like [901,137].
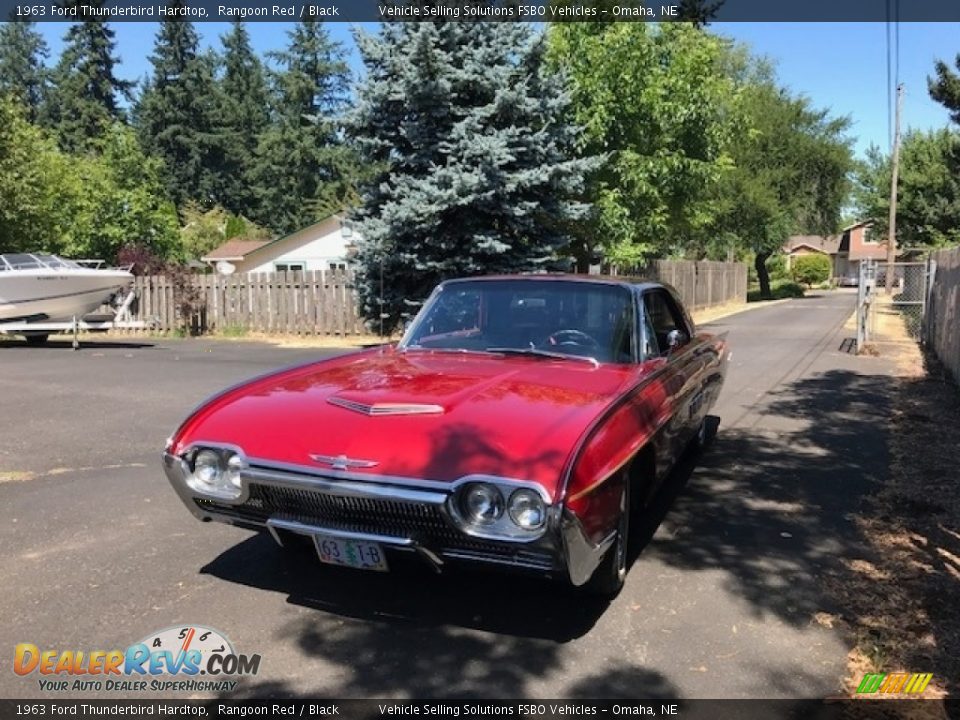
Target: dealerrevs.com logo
[190,658]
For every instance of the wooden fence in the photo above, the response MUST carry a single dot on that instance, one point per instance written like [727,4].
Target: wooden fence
[296,303]
[701,284]
[324,302]
[941,321]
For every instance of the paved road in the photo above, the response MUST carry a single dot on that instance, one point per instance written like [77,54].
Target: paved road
[727,599]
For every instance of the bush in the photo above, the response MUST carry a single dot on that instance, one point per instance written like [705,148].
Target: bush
[779,289]
[811,269]
[777,268]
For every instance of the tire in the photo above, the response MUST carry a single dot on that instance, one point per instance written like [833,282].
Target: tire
[607,580]
[36,338]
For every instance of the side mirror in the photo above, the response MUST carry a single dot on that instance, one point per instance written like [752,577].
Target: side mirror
[676,338]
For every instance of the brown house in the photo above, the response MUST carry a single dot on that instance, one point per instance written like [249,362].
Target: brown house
[845,249]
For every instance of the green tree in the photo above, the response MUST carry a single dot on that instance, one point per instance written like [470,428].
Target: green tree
[85,205]
[928,191]
[477,167]
[204,230]
[244,116]
[945,88]
[657,102]
[85,99]
[790,175]
[304,170]
[115,199]
[30,169]
[811,269]
[22,72]
[176,116]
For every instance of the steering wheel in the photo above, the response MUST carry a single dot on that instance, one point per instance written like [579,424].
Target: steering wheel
[572,337]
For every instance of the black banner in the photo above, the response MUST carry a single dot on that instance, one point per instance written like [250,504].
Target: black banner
[483,10]
[840,709]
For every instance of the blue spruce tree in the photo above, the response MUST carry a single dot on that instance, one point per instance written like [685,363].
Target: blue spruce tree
[477,169]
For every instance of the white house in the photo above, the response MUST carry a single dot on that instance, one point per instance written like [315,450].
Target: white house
[325,245]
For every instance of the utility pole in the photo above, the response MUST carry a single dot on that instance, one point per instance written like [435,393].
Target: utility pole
[892,231]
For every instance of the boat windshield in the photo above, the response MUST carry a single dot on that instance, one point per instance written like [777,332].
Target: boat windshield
[30,261]
[538,318]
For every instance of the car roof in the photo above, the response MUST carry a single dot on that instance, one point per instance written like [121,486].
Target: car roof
[629,283]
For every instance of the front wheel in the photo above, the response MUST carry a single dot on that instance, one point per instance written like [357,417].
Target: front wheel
[607,580]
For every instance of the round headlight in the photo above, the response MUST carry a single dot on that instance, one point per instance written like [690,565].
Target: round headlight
[527,509]
[234,467]
[206,468]
[482,503]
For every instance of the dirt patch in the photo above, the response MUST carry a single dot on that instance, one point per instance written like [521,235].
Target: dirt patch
[901,608]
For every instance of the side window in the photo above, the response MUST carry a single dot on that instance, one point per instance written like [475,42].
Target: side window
[649,347]
[663,316]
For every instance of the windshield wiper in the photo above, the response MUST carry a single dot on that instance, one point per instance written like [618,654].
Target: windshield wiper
[534,352]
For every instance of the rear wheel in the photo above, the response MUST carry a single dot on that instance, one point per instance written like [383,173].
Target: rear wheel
[36,338]
[607,580]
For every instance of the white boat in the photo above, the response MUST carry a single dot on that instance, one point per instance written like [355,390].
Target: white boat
[38,288]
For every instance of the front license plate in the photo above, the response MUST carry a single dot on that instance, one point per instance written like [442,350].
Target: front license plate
[350,553]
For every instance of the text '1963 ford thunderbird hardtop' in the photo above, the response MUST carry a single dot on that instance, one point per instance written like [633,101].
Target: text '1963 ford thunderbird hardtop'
[519,423]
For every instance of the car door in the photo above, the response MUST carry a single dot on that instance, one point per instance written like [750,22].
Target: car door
[682,374]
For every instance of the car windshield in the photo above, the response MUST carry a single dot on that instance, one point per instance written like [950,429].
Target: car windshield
[545,318]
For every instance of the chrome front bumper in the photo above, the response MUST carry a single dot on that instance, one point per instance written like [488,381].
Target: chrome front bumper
[394,512]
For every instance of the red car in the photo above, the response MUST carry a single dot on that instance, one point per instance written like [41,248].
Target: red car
[519,423]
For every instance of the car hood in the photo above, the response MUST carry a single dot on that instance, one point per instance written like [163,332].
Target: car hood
[416,414]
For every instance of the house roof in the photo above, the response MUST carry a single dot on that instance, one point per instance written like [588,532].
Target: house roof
[234,249]
[237,249]
[829,245]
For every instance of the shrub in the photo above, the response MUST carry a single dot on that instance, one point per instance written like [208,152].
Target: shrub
[811,269]
[777,268]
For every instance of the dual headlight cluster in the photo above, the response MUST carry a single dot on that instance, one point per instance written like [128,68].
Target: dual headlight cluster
[500,510]
[215,472]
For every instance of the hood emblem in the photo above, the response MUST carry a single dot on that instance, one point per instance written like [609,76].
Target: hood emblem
[342,462]
[386,408]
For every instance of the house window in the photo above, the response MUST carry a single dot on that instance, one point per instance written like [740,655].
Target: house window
[289,267]
[342,266]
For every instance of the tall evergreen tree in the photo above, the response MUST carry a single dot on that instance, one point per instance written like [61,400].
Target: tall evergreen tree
[304,170]
[945,88]
[244,116]
[86,99]
[177,115]
[478,169]
[22,72]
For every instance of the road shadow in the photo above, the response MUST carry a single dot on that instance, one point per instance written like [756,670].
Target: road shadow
[412,596]
[772,505]
[414,634]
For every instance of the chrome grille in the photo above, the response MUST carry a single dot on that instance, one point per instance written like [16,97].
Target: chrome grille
[423,522]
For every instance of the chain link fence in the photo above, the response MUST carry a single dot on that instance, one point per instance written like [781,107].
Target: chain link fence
[908,296]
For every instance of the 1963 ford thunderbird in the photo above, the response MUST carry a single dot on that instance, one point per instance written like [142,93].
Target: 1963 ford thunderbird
[520,423]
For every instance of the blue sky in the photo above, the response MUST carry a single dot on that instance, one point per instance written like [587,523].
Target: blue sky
[840,66]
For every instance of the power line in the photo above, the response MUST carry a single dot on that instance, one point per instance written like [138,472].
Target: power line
[889,80]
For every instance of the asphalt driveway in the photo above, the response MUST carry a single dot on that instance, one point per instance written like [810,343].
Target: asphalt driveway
[727,597]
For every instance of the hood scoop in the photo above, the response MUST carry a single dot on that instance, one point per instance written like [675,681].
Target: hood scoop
[379,409]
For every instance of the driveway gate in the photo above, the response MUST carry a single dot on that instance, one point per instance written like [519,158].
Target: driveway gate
[908,296]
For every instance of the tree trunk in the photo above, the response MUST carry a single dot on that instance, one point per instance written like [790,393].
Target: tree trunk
[760,263]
